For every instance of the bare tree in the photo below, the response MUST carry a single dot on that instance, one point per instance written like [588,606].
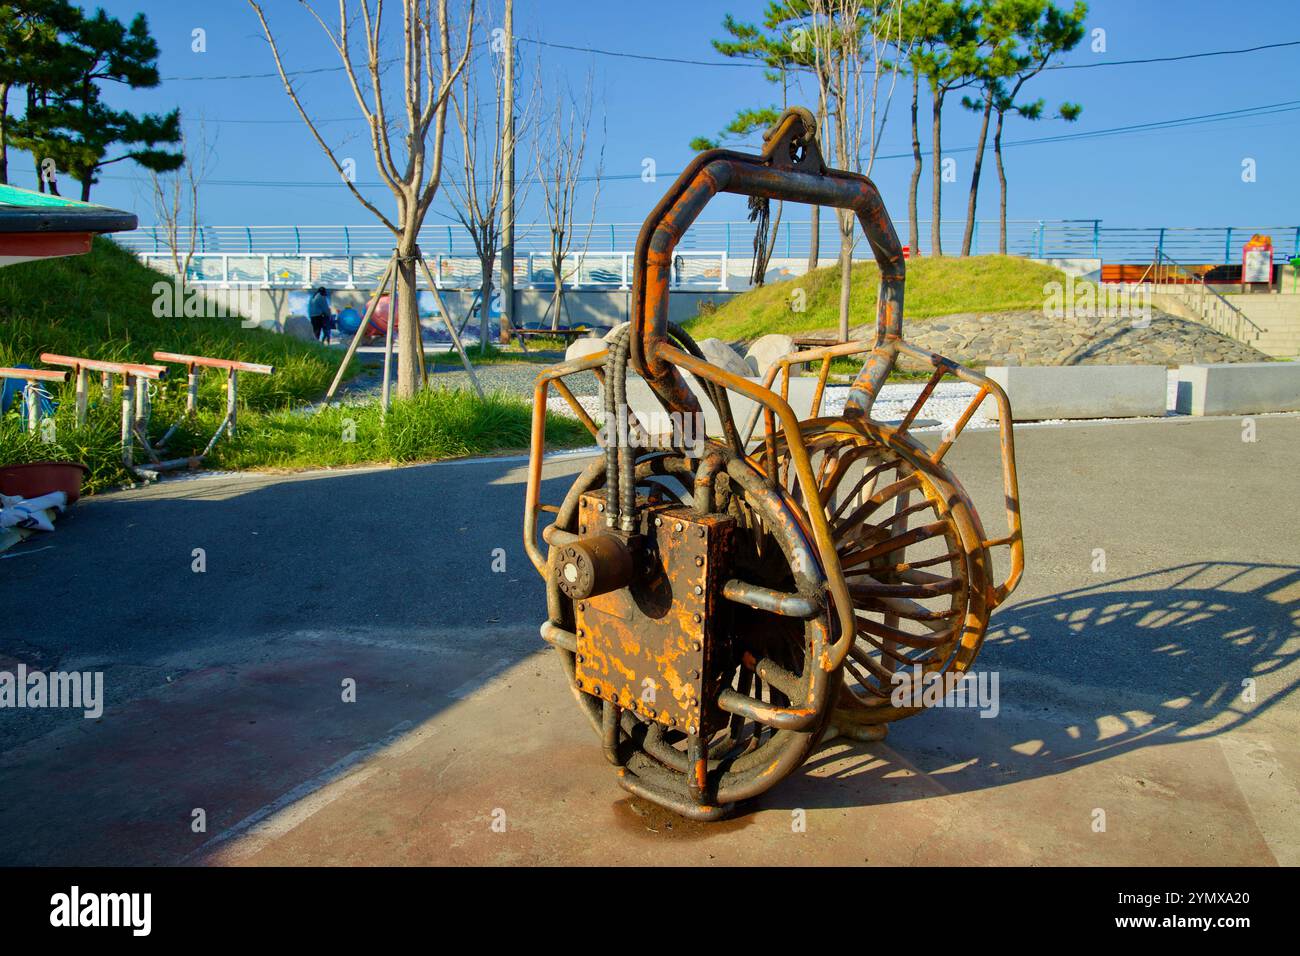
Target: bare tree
[560,147]
[407,137]
[476,184]
[850,39]
[176,202]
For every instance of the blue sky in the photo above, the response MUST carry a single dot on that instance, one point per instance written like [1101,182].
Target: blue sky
[1190,176]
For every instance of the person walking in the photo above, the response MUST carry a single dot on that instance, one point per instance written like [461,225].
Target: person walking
[318,310]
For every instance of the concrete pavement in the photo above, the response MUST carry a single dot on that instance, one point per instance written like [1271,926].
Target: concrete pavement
[1121,689]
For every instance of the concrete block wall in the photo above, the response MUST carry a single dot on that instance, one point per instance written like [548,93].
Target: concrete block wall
[1279,315]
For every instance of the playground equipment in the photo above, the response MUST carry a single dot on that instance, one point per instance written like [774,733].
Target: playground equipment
[135,380]
[193,364]
[349,320]
[137,401]
[378,324]
[721,607]
[382,299]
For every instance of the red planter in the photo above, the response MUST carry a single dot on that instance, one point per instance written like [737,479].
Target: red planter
[40,478]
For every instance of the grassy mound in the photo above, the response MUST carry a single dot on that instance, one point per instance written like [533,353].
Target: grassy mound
[942,286]
[101,306]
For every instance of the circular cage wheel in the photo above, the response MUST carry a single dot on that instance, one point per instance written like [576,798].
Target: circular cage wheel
[911,548]
[766,654]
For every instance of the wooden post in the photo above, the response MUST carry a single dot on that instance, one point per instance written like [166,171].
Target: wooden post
[192,398]
[142,403]
[231,386]
[451,326]
[33,404]
[128,455]
[385,392]
[508,185]
[365,321]
[83,397]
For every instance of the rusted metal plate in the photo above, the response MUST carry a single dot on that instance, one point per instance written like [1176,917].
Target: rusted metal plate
[652,647]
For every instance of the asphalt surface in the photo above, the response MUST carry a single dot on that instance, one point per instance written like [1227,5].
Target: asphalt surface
[1122,688]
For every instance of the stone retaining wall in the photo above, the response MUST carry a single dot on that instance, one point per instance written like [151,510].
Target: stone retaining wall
[1030,338]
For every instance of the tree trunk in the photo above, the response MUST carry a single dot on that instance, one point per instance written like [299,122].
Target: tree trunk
[4,133]
[936,175]
[1002,182]
[485,304]
[814,228]
[815,216]
[410,344]
[913,230]
[972,200]
[85,189]
[846,273]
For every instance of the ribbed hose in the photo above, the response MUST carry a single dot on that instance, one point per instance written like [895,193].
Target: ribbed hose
[620,459]
[618,339]
[626,454]
[717,394]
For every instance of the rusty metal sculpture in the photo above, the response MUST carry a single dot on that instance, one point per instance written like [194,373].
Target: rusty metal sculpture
[719,610]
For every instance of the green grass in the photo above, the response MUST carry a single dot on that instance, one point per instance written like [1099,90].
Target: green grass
[935,287]
[101,306]
[435,424]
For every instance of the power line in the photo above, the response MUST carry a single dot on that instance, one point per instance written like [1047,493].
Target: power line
[1247,112]
[643,56]
[623,54]
[1171,59]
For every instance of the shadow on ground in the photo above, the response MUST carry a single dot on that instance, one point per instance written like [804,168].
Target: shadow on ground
[1183,654]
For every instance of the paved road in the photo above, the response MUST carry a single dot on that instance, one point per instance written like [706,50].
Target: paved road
[1121,690]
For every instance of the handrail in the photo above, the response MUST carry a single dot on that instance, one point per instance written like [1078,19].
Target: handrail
[98,365]
[1054,238]
[1162,256]
[34,374]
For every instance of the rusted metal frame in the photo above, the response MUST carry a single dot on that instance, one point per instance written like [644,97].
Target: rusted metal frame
[748,774]
[191,361]
[1014,538]
[922,399]
[803,469]
[576,405]
[537,443]
[537,449]
[824,354]
[767,599]
[99,365]
[751,177]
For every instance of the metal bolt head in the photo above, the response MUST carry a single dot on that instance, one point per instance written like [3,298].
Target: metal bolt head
[700,532]
[601,506]
[698,589]
[582,605]
[699,561]
[658,522]
[678,526]
[698,618]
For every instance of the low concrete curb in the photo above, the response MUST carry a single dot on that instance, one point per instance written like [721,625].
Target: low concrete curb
[1081,391]
[1239,389]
